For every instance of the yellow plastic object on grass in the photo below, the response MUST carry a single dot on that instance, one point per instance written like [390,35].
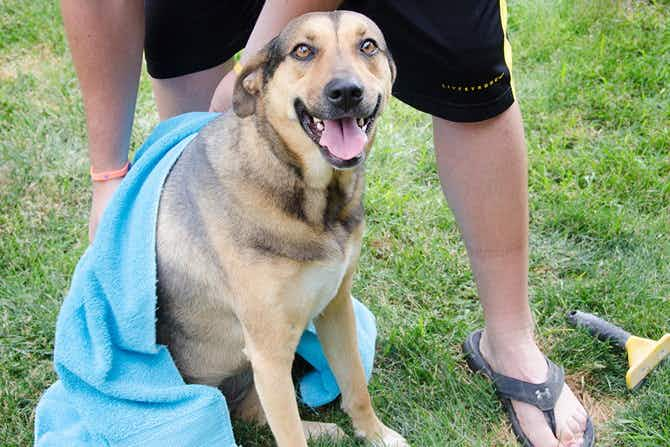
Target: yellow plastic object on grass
[644,354]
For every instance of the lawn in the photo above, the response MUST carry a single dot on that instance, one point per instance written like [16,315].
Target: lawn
[593,80]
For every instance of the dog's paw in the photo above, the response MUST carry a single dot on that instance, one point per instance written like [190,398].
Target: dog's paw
[393,439]
[315,430]
[388,438]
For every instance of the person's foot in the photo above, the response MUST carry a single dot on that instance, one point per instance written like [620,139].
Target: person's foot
[522,359]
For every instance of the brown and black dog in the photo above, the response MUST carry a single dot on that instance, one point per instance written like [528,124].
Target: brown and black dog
[260,224]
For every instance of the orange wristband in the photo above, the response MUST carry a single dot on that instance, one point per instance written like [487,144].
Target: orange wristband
[237,68]
[109,175]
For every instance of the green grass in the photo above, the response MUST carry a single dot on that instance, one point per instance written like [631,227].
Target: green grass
[593,78]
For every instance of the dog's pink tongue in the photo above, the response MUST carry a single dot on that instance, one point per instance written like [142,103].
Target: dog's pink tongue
[343,138]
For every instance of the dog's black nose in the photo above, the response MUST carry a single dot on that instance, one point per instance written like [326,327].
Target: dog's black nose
[344,93]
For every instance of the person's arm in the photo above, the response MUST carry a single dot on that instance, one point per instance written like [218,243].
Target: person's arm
[106,38]
[273,18]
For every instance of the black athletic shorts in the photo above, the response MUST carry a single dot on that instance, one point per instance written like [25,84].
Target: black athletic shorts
[453,56]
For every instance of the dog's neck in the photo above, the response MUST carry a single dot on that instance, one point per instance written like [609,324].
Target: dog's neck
[326,198]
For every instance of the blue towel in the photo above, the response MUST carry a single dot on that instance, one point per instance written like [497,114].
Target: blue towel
[116,386]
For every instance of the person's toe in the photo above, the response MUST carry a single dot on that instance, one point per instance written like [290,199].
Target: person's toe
[534,425]
[581,422]
[572,432]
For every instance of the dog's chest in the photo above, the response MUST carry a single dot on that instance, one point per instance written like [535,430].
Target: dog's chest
[318,283]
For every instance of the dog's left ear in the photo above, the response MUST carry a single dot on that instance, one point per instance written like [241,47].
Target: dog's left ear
[392,66]
[250,80]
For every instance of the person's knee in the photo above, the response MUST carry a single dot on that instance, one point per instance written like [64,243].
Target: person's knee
[500,133]
[511,115]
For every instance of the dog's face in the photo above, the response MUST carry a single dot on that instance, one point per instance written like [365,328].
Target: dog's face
[321,84]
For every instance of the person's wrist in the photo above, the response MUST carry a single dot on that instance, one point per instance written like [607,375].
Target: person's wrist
[104,175]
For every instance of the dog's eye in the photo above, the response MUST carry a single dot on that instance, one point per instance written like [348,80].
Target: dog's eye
[303,52]
[369,47]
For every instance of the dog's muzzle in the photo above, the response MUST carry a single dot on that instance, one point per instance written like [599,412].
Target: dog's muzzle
[341,136]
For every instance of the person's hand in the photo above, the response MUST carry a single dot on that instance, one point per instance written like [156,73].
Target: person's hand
[102,193]
[222,99]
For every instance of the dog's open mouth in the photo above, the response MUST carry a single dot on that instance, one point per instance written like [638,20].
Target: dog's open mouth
[341,141]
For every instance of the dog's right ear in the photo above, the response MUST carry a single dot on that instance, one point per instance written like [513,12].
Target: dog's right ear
[250,81]
[248,85]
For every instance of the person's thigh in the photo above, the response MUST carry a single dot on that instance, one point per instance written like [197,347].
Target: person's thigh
[453,57]
[190,92]
[189,47]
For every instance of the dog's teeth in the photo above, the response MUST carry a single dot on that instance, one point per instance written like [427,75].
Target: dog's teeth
[317,121]
[319,126]
[361,122]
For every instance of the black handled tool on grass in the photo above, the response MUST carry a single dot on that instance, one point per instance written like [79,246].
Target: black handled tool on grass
[644,354]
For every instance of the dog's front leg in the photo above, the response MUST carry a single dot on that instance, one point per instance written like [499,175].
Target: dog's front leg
[270,346]
[336,328]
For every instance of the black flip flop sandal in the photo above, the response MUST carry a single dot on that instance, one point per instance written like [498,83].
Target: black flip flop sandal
[542,395]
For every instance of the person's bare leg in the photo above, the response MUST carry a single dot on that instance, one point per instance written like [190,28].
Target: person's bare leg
[189,93]
[106,41]
[483,170]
